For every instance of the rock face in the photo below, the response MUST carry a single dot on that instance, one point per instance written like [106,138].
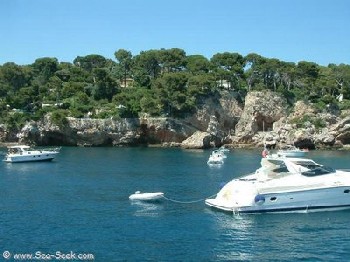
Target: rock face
[307,128]
[106,132]
[261,111]
[210,138]
[198,140]
[262,120]
[224,107]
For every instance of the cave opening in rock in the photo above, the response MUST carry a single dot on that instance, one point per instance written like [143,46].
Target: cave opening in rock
[264,126]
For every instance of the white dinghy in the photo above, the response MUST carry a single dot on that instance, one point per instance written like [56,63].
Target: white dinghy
[146,196]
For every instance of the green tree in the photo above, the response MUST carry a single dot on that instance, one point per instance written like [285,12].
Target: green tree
[105,87]
[124,58]
[228,67]
[172,60]
[201,85]
[151,104]
[13,76]
[128,101]
[90,62]
[198,64]
[172,89]
[146,67]
[308,72]
[340,75]
[252,66]
[44,68]
[288,75]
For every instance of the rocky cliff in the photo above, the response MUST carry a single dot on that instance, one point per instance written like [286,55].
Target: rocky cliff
[268,120]
[106,132]
[264,118]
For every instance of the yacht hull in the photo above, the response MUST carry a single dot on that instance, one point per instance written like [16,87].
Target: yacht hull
[30,158]
[334,198]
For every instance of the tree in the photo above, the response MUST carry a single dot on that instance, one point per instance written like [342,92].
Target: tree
[44,68]
[198,64]
[90,62]
[146,67]
[25,99]
[151,104]
[229,67]
[172,60]
[253,64]
[129,101]
[308,71]
[270,73]
[14,76]
[287,74]
[124,58]
[172,89]
[71,88]
[203,84]
[105,87]
[341,77]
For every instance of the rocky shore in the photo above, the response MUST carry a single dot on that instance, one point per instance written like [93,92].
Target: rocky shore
[263,119]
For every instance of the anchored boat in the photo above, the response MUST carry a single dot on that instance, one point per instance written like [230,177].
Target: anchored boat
[146,196]
[23,153]
[285,184]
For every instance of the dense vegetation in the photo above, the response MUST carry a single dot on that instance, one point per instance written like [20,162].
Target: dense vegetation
[164,82]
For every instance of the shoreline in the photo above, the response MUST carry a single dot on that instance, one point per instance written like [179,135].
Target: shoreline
[178,145]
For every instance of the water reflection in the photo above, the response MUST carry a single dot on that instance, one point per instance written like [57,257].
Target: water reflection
[147,209]
[235,230]
[281,236]
[28,167]
[215,166]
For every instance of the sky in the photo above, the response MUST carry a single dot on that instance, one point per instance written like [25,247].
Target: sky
[289,30]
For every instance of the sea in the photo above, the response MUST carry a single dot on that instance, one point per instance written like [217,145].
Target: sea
[77,208]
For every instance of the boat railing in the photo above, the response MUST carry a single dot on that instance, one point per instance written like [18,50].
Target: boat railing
[48,148]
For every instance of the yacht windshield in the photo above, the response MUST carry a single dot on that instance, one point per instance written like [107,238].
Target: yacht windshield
[307,164]
[318,170]
[278,166]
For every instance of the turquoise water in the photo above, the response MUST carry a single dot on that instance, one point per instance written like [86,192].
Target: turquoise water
[78,204]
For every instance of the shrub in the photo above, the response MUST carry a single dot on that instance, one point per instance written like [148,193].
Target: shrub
[301,121]
[344,105]
[59,117]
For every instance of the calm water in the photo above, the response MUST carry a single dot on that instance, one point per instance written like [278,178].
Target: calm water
[79,203]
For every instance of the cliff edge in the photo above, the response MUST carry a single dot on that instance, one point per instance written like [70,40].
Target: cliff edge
[265,118]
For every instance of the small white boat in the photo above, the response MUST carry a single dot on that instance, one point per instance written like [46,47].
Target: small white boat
[146,196]
[216,158]
[23,153]
[224,149]
[292,152]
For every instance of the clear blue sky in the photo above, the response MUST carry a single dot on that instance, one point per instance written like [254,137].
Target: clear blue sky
[290,30]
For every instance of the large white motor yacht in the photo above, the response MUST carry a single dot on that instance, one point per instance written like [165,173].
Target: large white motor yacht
[23,153]
[285,184]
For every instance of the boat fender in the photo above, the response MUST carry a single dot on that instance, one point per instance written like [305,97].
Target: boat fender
[264,153]
[259,199]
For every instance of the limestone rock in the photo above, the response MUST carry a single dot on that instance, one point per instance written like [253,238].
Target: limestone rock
[301,109]
[226,109]
[261,111]
[199,140]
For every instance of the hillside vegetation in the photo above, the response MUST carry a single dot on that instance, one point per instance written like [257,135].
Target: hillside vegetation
[164,82]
